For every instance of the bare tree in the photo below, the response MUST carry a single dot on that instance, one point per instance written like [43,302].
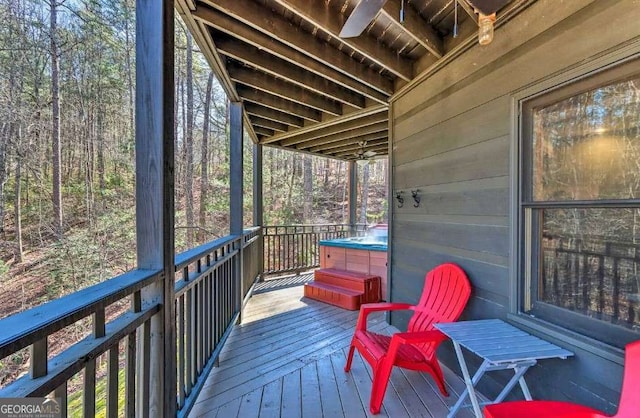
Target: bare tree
[204,160]
[188,143]
[365,193]
[56,196]
[308,189]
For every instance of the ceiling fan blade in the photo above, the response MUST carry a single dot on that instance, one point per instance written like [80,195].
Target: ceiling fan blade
[363,14]
[369,154]
[487,7]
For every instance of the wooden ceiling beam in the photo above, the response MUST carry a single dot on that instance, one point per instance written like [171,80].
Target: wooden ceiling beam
[268,123]
[277,103]
[274,115]
[378,149]
[277,67]
[365,130]
[277,87]
[262,131]
[217,20]
[278,30]
[350,141]
[354,147]
[415,26]
[358,114]
[329,20]
[336,129]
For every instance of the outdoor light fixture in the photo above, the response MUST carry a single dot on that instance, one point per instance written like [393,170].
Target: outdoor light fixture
[485,28]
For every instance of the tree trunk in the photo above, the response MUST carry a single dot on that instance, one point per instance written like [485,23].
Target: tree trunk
[129,70]
[294,157]
[17,208]
[56,197]
[204,161]
[3,169]
[365,193]
[188,185]
[308,189]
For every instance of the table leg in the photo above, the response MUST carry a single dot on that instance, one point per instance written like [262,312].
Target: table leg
[518,376]
[525,389]
[470,391]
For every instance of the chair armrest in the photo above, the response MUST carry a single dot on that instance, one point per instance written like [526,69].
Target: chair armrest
[367,308]
[411,338]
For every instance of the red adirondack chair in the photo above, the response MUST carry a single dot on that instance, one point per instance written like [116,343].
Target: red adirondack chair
[445,294]
[629,406]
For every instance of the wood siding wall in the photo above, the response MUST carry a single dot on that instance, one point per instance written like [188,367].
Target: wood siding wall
[452,139]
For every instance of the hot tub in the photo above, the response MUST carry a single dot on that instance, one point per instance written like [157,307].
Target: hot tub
[362,254]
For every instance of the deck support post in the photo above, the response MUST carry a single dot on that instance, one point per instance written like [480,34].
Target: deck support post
[353,195]
[258,208]
[236,215]
[155,199]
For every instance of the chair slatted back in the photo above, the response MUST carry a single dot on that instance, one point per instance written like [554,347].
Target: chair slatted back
[445,294]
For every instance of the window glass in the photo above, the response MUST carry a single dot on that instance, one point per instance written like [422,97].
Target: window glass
[591,263]
[580,205]
[587,146]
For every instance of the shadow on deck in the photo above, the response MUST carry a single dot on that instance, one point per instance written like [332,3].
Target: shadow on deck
[286,359]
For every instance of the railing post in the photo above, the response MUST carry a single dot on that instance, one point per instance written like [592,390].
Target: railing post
[155,198]
[258,208]
[236,186]
[353,195]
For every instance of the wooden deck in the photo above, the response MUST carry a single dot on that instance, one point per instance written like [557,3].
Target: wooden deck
[286,359]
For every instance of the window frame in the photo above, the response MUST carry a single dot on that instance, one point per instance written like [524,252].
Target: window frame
[528,212]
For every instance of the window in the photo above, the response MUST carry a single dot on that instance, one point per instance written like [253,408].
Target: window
[580,205]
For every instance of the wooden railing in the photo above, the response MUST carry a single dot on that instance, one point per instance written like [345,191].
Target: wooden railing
[289,248]
[208,299]
[133,328]
[251,258]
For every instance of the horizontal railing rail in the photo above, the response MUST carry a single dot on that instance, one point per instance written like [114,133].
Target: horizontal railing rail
[294,248]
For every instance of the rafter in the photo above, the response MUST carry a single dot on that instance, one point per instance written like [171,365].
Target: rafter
[272,25]
[359,114]
[323,16]
[262,131]
[277,87]
[349,142]
[415,26]
[356,146]
[267,123]
[378,149]
[277,67]
[336,129]
[353,134]
[277,103]
[274,115]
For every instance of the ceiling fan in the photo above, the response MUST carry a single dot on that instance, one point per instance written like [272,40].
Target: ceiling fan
[366,11]
[361,154]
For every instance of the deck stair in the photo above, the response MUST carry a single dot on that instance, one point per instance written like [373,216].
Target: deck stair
[342,288]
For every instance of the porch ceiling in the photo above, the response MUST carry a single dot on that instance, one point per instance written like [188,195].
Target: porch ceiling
[306,89]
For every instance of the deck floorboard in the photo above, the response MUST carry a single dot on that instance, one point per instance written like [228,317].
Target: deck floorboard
[287,359]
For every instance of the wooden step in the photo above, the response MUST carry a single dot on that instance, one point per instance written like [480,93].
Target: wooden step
[334,295]
[367,284]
